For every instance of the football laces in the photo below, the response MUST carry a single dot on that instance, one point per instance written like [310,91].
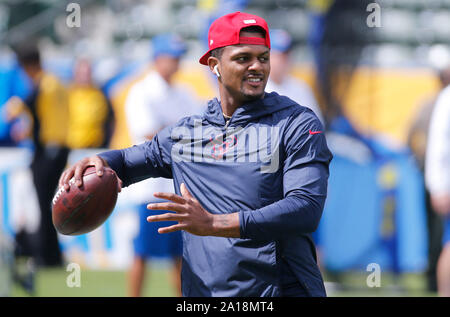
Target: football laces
[60,191]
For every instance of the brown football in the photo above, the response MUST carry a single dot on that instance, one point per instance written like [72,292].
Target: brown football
[83,209]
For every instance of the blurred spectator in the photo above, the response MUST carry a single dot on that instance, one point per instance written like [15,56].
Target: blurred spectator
[13,82]
[153,103]
[338,34]
[280,80]
[437,173]
[417,142]
[46,107]
[90,113]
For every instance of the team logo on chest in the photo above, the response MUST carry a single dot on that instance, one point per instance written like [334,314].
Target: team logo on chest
[252,144]
[222,146]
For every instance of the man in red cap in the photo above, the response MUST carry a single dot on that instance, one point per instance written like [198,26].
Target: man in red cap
[250,176]
[234,40]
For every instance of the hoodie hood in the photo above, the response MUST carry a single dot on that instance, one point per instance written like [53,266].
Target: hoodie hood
[272,102]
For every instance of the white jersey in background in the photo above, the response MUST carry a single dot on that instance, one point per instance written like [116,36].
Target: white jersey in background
[151,105]
[437,161]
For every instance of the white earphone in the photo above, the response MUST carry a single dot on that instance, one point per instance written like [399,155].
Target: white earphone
[216,71]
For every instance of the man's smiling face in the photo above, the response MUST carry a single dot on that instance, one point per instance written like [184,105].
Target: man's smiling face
[245,69]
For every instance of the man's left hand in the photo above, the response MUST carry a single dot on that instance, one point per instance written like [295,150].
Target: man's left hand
[191,216]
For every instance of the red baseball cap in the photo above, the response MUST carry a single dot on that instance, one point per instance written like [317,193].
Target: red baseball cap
[225,31]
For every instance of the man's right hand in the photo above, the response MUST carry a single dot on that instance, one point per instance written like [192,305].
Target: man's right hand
[76,171]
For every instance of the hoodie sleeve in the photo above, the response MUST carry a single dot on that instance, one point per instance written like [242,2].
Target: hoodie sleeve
[149,159]
[305,178]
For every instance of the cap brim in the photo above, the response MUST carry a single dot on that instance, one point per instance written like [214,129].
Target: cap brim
[204,59]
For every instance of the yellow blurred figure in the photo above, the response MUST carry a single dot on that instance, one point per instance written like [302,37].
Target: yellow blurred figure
[90,113]
[51,110]
[45,109]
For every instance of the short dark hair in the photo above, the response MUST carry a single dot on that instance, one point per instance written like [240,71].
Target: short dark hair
[217,53]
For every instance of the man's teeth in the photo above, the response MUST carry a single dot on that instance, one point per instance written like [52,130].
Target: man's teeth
[254,80]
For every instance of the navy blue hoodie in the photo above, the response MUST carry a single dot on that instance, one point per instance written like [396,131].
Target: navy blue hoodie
[270,164]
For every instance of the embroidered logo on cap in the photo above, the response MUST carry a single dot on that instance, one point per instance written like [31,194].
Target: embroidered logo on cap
[250,21]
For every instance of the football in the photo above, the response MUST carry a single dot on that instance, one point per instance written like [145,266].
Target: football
[83,209]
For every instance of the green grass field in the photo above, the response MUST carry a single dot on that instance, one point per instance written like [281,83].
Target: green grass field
[95,283]
[100,283]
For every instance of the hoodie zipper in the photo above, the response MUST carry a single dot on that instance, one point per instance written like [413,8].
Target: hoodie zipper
[227,123]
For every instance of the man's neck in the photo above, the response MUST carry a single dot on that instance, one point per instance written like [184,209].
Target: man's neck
[229,105]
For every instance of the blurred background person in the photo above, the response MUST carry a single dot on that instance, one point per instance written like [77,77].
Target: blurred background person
[13,82]
[280,79]
[47,109]
[337,36]
[153,103]
[90,113]
[417,142]
[437,171]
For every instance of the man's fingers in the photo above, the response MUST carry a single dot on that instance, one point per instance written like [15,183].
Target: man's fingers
[78,175]
[184,191]
[173,228]
[165,217]
[166,206]
[170,196]
[61,179]
[77,170]
[174,197]
[65,178]
[99,166]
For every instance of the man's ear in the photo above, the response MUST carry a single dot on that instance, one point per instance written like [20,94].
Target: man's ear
[213,64]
